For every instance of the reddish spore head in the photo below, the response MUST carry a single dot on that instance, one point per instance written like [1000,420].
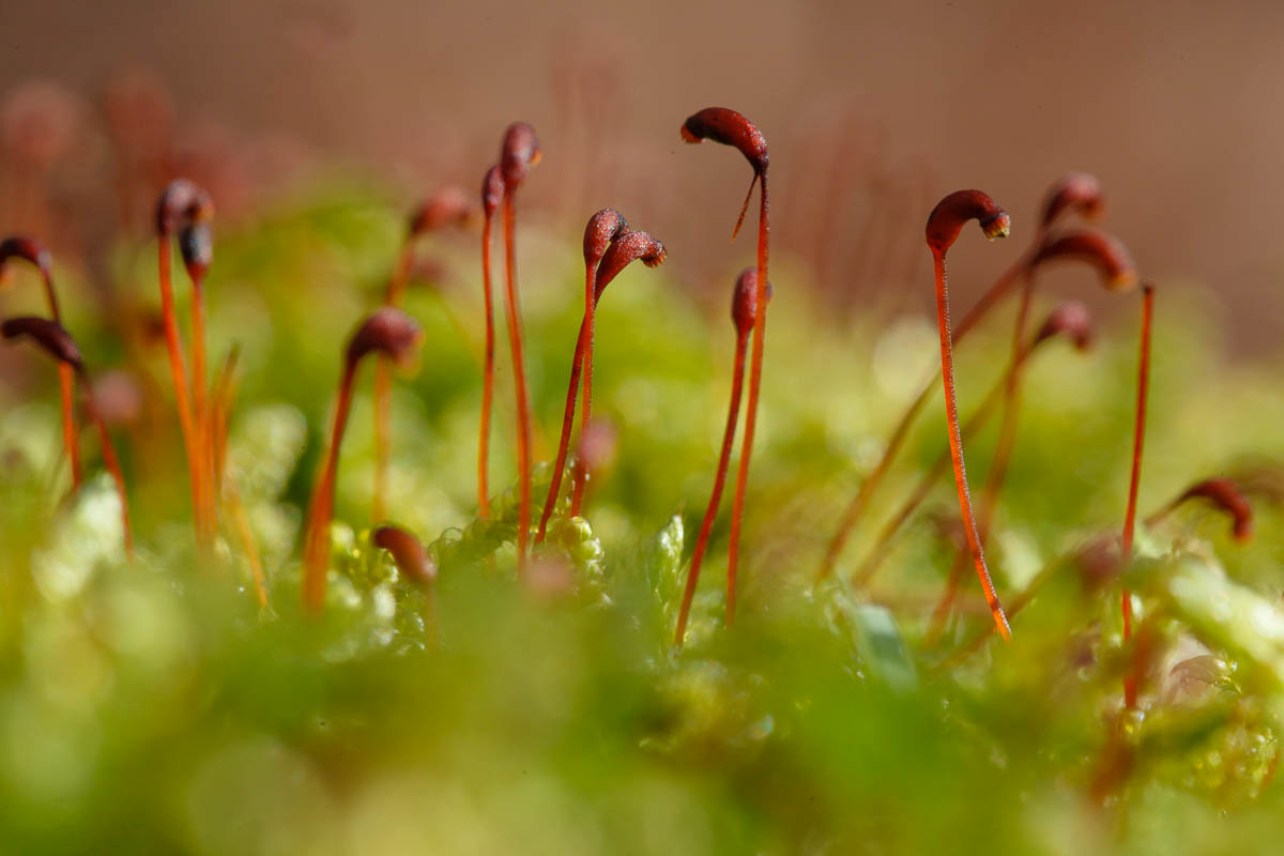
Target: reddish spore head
[449,206]
[630,246]
[726,126]
[1072,320]
[951,213]
[408,552]
[1104,252]
[1226,495]
[518,153]
[389,331]
[29,250]
[602,230]
[492,193]
[48,335]
[182,201]
[744,300]
[196,243]
[1079,192]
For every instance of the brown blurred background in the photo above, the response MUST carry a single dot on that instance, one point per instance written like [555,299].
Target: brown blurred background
[873,110]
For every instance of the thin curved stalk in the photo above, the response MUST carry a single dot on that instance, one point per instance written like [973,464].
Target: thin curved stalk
[383,386]
[70,434]
[1134,481]
[1009,410]
[568,424]
[513,314]
[488,376]
[856,508]
[382,435]
[751,410]
[719,481]
[879,551]
[956,446]
[178,371]
[112,463]
[317,541]
[201,419]
[581,475]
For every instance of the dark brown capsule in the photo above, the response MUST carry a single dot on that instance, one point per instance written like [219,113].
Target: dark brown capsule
[1076,192]
[408,552]
[951,213]
[182,201]
[726,126]
[389,331]
[1072,320]
[449,206]
[629,247]
[744,300]
[1225,495]
[1104,252]
[48,335]
[492,193]
[519,152]
[29,250]
[196,243]
[603,229]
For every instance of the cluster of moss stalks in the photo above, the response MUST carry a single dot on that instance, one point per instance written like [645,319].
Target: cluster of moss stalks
[443,686]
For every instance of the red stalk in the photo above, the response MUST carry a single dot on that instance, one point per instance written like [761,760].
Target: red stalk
[184,206]
[513,317]
[751,410]
[627,246]
[733,129]
[383,386]
[519,152]
[602,230]
[1134,481]
[70,434]
[943,227]
[1075,192]
[32,252]
[178,373]
[492,193]
[391,333]
[316,546]
[744,316]
[1069,319]
[111,462]
[55,341]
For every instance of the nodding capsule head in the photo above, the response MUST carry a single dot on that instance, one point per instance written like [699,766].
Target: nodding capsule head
[520,151]
[744,300]
[947,218]
[29,250]
[492,192]
[389,331]
[196,243]
[182,201]
[726,126]
[603,228]
[1072,320]
[408,552]
[1074,191]
[1105,252]
[449,206]
[1226,495]
[48,335]
[629,246]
